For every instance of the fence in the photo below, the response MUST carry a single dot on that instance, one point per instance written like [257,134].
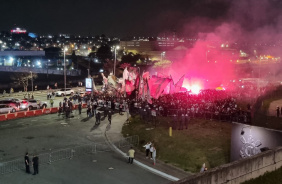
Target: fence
[67,153]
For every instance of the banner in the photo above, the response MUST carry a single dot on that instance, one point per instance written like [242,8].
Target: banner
[178,85]
[88,84]
[157,85]
[129,87]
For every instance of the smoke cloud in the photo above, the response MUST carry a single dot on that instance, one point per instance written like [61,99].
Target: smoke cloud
[252,26]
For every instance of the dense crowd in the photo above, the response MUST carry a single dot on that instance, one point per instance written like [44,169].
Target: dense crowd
[208,104]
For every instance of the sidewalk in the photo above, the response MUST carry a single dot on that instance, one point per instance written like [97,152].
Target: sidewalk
[167,171]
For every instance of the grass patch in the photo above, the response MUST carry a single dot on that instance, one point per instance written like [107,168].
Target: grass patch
[274,177]
[205,141]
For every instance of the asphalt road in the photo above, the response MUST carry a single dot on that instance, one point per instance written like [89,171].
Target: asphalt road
[52,132]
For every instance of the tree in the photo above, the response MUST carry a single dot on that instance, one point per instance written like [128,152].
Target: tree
[130,58]
[162,64]
[23,78]
[104,53]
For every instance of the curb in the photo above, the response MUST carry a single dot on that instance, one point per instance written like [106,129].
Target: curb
[150,169]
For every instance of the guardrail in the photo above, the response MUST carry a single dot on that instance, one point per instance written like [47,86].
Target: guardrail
[67,153]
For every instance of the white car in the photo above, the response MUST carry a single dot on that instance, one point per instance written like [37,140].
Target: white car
[32,104]
[4,108]
[63,92]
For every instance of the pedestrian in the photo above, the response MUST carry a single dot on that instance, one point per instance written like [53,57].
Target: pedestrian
[26,162]
[88,111]
[35,163]
[203,168]
[151,151]
[110,117]
[120,108]
[51,102]
[277,111]
[182,122]
[131,155]
[147,147]
[98,118]
[79,107]
[186,120]
[154,154]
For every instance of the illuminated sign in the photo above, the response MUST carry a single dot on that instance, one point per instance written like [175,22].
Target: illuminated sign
[18,31]
[88,84]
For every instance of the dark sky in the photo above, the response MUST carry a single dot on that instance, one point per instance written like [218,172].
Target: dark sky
[123,17]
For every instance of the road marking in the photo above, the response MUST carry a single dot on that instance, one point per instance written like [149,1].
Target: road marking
[111,168]
[5,125]
[64,123]
[94,160]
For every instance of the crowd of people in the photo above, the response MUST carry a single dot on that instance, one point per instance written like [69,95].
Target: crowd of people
[208,104]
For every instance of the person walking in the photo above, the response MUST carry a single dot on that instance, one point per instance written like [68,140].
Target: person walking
[151,151]
[110,117]
[186,120]
[79,107]
[35,163]
[98,118]
[154,154]
[147,147]
[120,108]
[26,162]
[51,102]
[131,155]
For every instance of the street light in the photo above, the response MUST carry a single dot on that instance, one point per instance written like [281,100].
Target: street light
[162,56]
[116,48]
[88,73]
[65,77]
[31,81]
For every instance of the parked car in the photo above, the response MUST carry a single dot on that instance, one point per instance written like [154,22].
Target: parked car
[32,104]
[12,103]
[63,92]
[4,109]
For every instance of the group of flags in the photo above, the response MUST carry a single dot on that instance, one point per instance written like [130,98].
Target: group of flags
[147,87]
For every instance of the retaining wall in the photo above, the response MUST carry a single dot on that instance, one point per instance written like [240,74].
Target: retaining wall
[239,171]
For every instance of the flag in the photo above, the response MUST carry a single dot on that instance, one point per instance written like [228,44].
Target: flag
[149,98]
[162,75]
[157,85]
[137,82]
[146,76]
[179,84]
[129,87]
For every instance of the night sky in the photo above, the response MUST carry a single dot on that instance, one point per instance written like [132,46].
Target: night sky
[135,17]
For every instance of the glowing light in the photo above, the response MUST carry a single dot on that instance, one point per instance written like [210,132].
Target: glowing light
[195,89]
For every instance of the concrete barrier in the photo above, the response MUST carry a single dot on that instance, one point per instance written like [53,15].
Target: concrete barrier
[54,110]
[11,116]
[20,114]
[239,171]
[38,112]
[75,106]
[29,113]
[84,105]
[3,117]
[46,111]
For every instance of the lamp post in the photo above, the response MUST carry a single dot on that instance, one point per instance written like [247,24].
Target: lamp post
[31,81]
[162,56]
[115,62]
[88,73]
[65,77]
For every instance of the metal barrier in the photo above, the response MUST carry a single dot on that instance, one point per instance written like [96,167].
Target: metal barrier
[132,140]
[67,153]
